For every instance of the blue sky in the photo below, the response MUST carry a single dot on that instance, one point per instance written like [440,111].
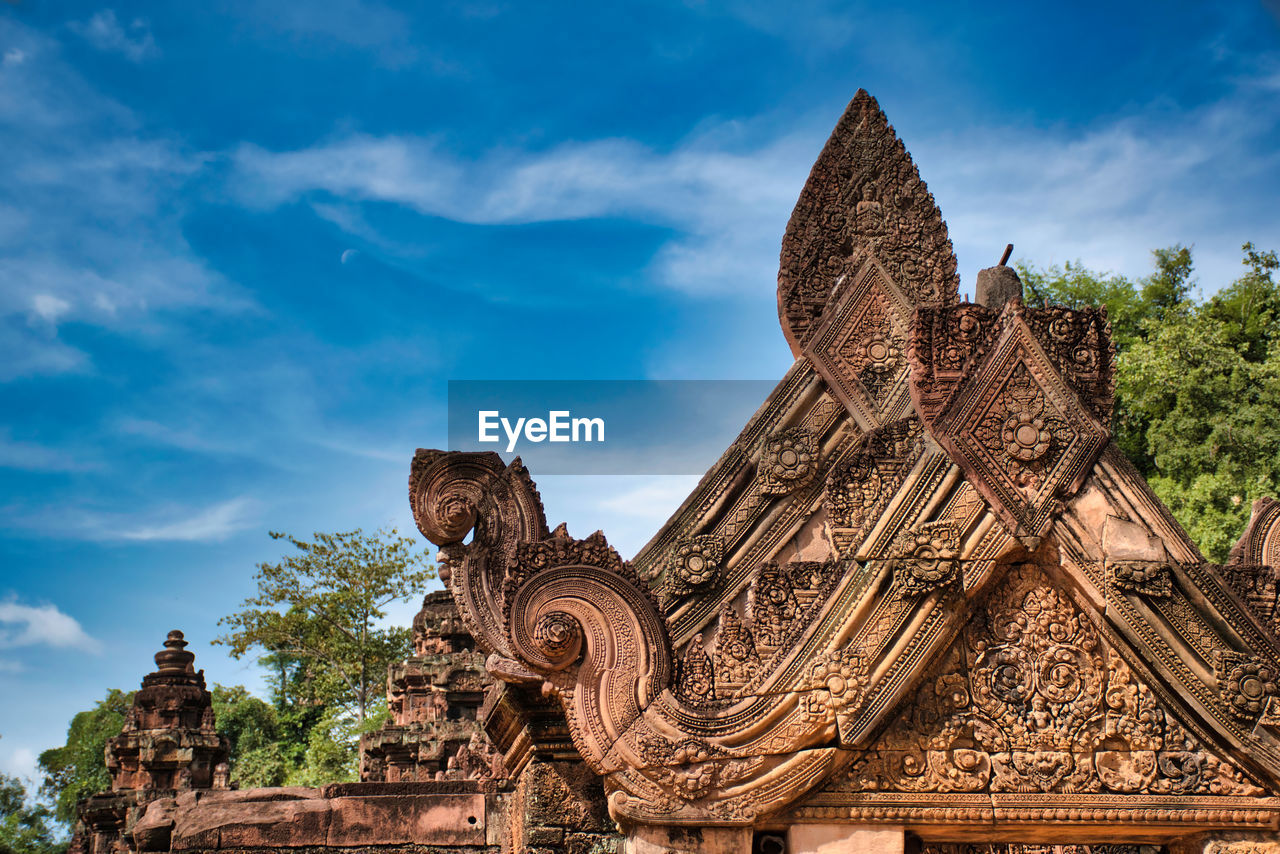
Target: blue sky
[244,245]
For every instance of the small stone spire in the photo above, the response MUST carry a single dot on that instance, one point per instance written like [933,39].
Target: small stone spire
[434,698]
[168,740]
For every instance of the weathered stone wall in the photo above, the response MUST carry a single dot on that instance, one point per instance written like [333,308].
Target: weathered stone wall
[560,807]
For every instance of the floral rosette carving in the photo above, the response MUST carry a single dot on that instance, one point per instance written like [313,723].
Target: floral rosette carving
[930,561]
[788,460]
[1246,684]
[558,636]
[1025,437]
[1024,434]
[695,563]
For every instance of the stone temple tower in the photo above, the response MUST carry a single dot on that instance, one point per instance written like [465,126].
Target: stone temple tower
[168,744]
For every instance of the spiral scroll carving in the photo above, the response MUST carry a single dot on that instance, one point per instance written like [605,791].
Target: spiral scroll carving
[599,640]
[453,494]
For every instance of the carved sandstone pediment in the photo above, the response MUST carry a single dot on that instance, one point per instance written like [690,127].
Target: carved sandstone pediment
[922,587]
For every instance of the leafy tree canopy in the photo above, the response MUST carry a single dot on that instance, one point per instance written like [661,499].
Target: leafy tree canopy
[25,827]
[319,611]
[1197,383]
[316,622]
[77,769]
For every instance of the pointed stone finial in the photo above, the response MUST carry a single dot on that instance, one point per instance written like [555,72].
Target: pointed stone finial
[864,200]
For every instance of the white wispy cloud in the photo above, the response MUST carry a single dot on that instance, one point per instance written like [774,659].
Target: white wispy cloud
[729,206]
[151,522]
[33,456]
[20,762]
[211,523]
[49,308]
[105,32]
[1106,194]
[82,238]
[1110,194]
[41,625]
[384,32]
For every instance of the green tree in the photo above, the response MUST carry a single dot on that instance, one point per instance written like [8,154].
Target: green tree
[1197,384]
[316,620]
[25,827]
[253,734]
[77,769]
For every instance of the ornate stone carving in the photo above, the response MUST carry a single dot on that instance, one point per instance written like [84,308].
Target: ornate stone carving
[1150,578]
[695,563]
[859,347]
[560,549]
[696,681]
[736,660]
[788,461]
[929,561]
[837,685]
[1260,542]
[1258,586]
[773,605]
[1007,406]
[864,199]
[860,484]
[1034,700]
[806,622]
[1246,684]
[1078,342]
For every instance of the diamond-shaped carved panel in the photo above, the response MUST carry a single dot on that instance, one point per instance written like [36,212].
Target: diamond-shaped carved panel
[859,347]
[1019,432]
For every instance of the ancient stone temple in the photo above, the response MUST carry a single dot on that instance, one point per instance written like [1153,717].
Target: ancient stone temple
[168,744]
[434,698]
[922,603]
